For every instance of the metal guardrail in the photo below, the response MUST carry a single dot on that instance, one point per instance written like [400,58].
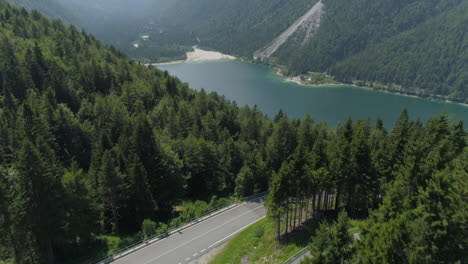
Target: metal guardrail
[146,242]
[298,254]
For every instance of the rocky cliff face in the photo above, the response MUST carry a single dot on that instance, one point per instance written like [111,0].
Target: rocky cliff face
[305,27]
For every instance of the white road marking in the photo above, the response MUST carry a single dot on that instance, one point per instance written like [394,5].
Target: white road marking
[187,259]
[214,244]
[203,250]
[250,211]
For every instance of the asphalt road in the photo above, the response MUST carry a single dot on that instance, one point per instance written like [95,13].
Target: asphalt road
[193,242]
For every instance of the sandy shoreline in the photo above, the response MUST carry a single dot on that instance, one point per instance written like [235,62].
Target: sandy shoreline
[205,55]
[198,55]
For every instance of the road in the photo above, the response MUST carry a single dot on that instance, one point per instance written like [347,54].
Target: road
[193,242]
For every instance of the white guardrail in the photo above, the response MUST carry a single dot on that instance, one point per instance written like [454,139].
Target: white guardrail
[149,241]
[296,256]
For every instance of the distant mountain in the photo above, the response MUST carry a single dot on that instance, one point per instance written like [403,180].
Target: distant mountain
[237,27]
[120,23]
[409,45]
[412,46]
[50,8]
[417,44]
[432,56]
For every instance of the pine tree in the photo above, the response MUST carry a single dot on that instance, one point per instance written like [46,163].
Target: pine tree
[278,196]
[332,244]
[139,203]
[459,137]
[359,182]
[35,205]
[340,165]
[112,192]
[245,182]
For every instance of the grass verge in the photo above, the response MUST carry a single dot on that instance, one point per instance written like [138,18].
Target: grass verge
[258,244]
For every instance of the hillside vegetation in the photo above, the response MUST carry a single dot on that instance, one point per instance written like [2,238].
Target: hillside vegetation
[415,46]
[121,24]
[410,46]
[418,44]
[95,146]
[236,27]
[430,58]
[50,8]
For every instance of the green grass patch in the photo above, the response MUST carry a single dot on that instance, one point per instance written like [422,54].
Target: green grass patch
[318,79]
[258,244]
[115,243]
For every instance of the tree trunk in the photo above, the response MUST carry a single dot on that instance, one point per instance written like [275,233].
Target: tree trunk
[287,216]
[17,253]
[337,199]
[314,207]
[325,200]
[279,226]
[295,213]
[50,252]
[320,200]
[301,210]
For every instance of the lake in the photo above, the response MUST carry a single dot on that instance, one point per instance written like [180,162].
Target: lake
[252,84]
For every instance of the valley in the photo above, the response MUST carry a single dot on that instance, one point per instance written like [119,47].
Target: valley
[145,131]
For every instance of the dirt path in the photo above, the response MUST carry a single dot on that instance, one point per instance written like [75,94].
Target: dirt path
[311,19]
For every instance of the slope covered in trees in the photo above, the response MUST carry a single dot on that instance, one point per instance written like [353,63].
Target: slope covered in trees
[121,24]
[51,8]
[410,183]
[433,56]
[236,27]
[415,46]
[93,144]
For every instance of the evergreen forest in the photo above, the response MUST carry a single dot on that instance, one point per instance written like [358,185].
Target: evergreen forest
[416,47]
[94,144]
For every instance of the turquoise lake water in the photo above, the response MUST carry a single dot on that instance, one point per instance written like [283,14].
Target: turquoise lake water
[252,84]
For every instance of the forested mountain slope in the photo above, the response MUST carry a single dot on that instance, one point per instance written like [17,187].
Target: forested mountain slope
[50,8]
[412,46]
[417,44]
[236,27]
[433,56]
[121,24]
[92,144]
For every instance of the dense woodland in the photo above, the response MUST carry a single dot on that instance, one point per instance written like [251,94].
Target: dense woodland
[121,24]
[236,27]
[419,45]
[50,8]
[415,46]
[92,144]
[409,183]
[411,46]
